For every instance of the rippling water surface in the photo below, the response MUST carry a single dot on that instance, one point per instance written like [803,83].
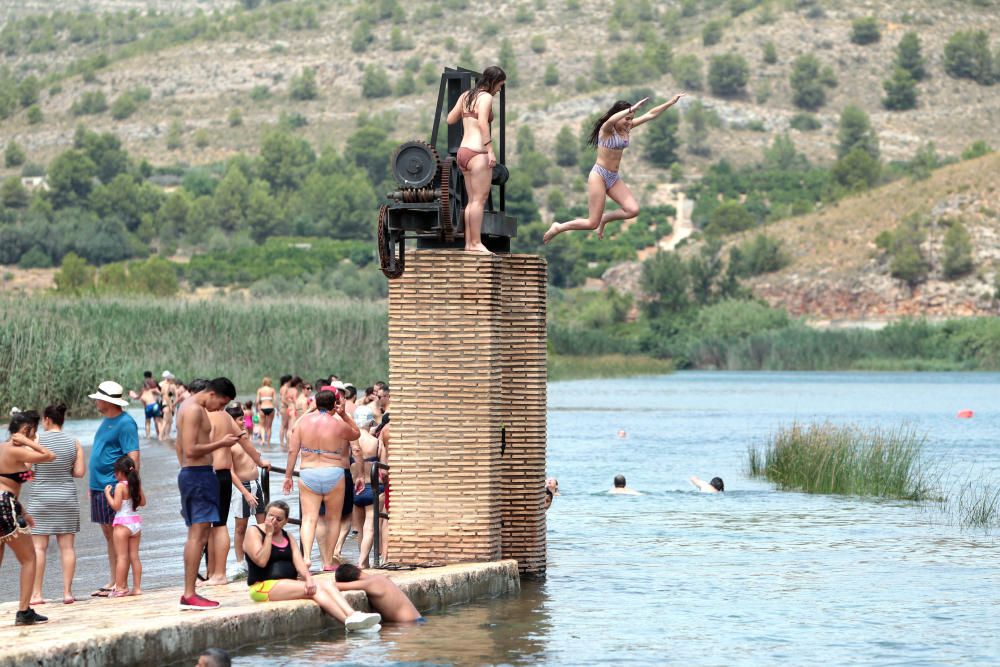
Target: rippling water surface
[754,576]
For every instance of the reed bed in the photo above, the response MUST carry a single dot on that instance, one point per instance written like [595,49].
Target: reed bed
[845,460]
[565,367]
[54,349]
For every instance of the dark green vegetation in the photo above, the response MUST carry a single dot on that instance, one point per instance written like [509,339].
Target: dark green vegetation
[60,349]
[847,460]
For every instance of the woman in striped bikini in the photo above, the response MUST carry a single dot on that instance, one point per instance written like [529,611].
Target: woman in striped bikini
[610,136]
[476,158]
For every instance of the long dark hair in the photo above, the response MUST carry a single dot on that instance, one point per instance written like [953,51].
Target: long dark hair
[57,413]
[620,105]
[492,76]
[21,419]
[126,466]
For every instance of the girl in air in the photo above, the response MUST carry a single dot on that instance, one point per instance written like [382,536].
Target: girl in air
[610,135]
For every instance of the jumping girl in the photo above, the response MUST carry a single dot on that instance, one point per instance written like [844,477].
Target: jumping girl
[610,135]
[125,498]
[476,158]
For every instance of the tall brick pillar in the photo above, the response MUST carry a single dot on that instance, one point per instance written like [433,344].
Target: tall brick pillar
[523,382]
[445,374]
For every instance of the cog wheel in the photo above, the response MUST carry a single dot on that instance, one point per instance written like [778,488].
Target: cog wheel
[456,192]
[444,210]
[414,164]
[391,266]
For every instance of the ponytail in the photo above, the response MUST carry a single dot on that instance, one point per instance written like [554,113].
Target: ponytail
[126,466]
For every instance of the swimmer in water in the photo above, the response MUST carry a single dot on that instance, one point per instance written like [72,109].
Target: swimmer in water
[620,489]
[715,486]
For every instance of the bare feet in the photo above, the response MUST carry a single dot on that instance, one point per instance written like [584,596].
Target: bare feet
[478,247]
[600,231]
[68,599]
[213,581]
[135,591]
[35,601]
[553,230]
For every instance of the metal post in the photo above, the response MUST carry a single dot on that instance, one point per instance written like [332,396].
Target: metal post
[379,514]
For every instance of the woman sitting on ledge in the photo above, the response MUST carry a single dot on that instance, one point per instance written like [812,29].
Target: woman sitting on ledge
[274,562]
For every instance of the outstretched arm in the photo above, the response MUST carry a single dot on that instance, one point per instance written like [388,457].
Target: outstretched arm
[615,118]
[657,110]
[701,484]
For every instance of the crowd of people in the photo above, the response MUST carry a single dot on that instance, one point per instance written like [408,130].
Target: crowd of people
[332,437]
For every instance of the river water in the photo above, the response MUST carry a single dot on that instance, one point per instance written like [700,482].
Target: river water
[754,576]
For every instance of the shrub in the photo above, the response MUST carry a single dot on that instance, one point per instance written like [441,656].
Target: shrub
[865,30]
[175,135]
[770,53]
[712,33]
[687,72]
[375,82]
[74,275]
[661,139]
[537,44]
[123,106]
[855,131]
[967,56]
[729,217]
[976,149]
[361,37]
[900,91]
[566,148]
[92,102]
[14,155]
[903,247]
[405,84]
[303,87]
[804,122]
[762,254]
[728,75]
[551,77]
[398,41]
[235,118]
[35,115]
[201,138]
[259,93]
[957,260]
[507,62]
[857,170]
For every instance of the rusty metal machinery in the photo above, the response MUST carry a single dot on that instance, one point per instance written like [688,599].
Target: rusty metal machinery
[429,201]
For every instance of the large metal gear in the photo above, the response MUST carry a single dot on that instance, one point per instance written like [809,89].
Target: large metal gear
[456,187]
[391,265]
[415,164]
[447,230]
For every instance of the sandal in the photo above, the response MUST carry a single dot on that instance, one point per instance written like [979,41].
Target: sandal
[101,592]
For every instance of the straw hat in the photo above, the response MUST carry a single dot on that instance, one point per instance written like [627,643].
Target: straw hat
[110,392]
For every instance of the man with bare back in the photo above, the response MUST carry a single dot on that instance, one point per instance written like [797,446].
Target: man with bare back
[197,481]
[250,499]
[222,464]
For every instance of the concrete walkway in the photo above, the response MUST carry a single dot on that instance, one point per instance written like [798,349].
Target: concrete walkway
[151,630]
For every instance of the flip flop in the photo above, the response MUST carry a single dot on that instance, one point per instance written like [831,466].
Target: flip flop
[101,593]
[330,568]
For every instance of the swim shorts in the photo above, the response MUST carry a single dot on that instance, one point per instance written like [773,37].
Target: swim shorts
[225,496]
[240,508]
[199,494]
[261,591]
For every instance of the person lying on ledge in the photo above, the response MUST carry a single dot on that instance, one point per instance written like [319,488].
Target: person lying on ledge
[715,486]
[273,563]
[383,594]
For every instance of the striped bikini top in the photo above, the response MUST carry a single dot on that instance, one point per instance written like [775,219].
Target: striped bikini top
[615,142]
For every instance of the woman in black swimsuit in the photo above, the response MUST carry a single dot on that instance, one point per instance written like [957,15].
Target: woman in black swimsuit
[15,526]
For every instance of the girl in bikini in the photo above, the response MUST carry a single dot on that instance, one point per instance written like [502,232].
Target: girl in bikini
[265,404]
[475,157]
[610,135]
[125,498]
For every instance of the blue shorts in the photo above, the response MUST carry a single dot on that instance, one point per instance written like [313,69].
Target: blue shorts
[366,497]
[153,411]
[199,494]
[321,481]
[100,510]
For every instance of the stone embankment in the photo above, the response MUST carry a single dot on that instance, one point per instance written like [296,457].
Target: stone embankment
[151,630]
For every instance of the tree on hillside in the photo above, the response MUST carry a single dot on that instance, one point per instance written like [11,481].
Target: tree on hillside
[957,246]
[907,261]
[697,136]
[910,57]
[525,140]
[900,91]
[856,131]
[728,75]
[263,214]
[809,82]
[285,160]
[370,147]
[729,217]
[507,62]
[14,155]
[687,72]
[13,194]
[857,170]
[71,178]
[155,276]
[566,148]
[665,280]
[303,86]
[105,150]
[865,30]
[967,56]
[375,82]
[661,139]
[230,200]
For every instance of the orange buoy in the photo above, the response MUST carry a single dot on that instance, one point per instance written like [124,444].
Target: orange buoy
[964,414]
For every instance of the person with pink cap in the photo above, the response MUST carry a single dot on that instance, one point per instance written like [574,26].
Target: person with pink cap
[117,436]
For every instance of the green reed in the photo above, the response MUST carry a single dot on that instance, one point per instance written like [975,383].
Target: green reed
[976,505]
[846,460]
[59,349]
[566,367]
